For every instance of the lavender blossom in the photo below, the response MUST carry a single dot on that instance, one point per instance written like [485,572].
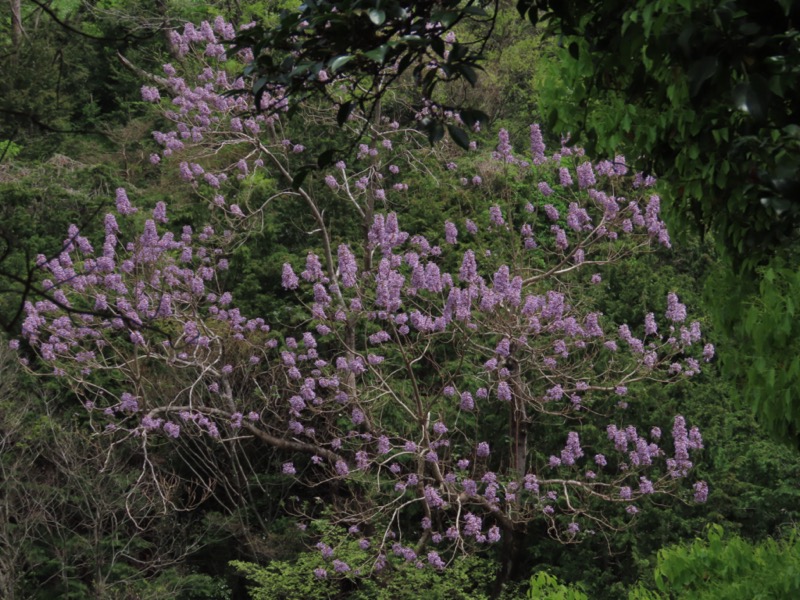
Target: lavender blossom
[450,232]
[537,145]
[289,280]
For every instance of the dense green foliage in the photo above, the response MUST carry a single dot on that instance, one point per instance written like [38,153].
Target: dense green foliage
[70,527]
[703,92]
[717,567]
[707,103]
[546,587]
[466,579]
[671,81]
[375,42]
[727,567]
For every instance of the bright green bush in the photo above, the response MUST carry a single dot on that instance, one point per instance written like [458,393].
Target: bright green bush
[468,578]
[718,567]
[726,567]
[545,586]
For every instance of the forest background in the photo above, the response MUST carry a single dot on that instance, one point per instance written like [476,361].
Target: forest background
[75,128]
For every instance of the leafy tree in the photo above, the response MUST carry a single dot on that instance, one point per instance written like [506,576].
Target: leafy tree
[373,43]
[701,79]
[706,99]
[467,578]
[702,89]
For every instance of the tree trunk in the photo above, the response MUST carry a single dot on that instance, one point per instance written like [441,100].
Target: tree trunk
[17,32]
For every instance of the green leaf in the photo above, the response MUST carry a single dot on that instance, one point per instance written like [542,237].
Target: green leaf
[446,18]
[746,99]
[574,50]
[701,71]
[377,16]
[405,61]
[469,73]
[459,136]
[438,46]
[471,116]
[474,10]
[343,112]
[435,131]
[340,61]
[300,176]
[684,39]
[325,159]
[457,52]
[378,54]
[413,40]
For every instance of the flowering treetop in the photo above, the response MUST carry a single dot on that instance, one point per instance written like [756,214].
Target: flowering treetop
[412,344]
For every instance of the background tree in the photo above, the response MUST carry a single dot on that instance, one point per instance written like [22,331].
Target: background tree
[702,89]
[718,565]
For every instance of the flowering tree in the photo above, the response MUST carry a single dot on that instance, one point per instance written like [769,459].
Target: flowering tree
[414,347]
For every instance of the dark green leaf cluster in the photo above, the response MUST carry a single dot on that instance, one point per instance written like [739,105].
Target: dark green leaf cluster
[703,92]
[760,318]
[375,42]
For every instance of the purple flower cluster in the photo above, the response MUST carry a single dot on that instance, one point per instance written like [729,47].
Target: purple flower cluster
[537,145]
[504,151]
